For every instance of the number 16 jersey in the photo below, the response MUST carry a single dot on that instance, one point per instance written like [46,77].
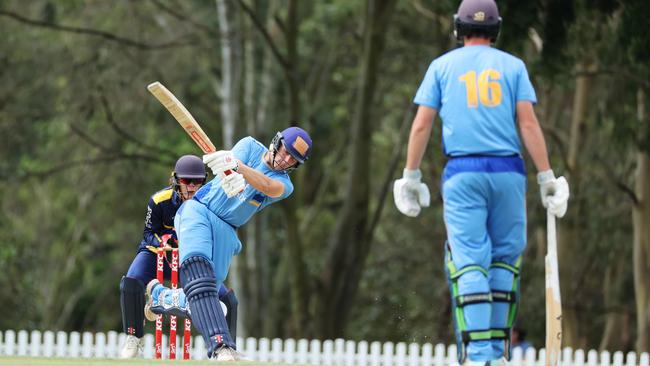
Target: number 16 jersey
[475,90]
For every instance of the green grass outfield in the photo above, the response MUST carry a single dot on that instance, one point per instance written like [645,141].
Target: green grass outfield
[42,361]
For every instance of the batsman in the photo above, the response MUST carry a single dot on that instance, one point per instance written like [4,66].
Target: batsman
[248,178]
[187,177]
[482,95]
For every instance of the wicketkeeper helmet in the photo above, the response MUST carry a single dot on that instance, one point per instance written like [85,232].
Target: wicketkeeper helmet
[190,166]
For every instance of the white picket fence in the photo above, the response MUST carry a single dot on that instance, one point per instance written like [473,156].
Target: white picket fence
[337,352]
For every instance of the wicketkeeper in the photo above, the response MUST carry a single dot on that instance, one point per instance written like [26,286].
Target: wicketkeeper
[188,176]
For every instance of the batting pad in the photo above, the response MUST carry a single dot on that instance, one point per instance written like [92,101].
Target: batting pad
[200,286]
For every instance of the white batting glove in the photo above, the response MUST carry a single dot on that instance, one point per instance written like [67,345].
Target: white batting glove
[220,162]
[233,184]
[410,193]
[554,192]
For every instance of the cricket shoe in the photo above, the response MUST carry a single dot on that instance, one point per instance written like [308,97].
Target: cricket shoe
[225,354]
[132,347]
[163,300]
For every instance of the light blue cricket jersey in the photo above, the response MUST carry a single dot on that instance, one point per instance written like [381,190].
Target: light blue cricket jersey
[475,90]
[237,210]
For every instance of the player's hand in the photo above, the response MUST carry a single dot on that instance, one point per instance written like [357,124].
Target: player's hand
[220,162]
[410,193]
[233,184]
[554,192]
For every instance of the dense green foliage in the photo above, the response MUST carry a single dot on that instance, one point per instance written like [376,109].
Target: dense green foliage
[84,145]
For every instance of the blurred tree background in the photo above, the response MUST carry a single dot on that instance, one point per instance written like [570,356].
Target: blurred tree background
[84,145]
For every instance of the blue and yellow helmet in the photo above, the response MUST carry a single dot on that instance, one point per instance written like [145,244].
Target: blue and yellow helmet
[296,141]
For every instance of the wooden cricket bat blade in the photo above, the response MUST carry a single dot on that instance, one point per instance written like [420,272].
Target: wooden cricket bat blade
[182,116]
[553,300]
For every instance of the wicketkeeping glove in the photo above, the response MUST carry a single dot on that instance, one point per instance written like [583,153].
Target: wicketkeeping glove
[170,240]
[233,184]
[220,162]
[410,193]
[554,192]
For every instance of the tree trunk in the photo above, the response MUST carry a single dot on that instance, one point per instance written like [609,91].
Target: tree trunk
[230,108]
[230,73]
[349,243]
[254,262]
[249,265]
[641,221]
[293,258]
[292,266]
[570,232]
[616,335]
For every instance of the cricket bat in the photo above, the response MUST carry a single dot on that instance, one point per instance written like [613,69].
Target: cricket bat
[182,116]
[553,301]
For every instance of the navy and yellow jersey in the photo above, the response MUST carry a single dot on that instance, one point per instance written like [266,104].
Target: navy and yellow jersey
[161,210]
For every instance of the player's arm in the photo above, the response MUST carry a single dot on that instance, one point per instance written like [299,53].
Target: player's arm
[532,136]
[409,192]
[268,186]
[419,136]
[554,191]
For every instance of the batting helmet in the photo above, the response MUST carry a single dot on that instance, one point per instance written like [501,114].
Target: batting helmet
[477,18]
[296,141]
